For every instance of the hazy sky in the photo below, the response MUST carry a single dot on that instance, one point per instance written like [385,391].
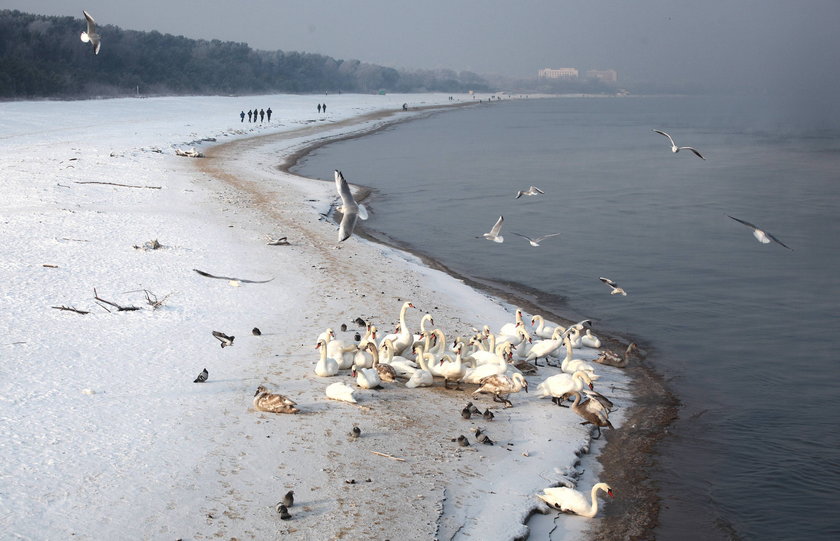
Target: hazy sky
[761,44]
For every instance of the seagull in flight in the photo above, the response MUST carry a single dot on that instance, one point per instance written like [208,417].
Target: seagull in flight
[615,289]
[762,236]
[675,148]
[494,233]
[532,190]
[350,210]
[536,241]
[91,35]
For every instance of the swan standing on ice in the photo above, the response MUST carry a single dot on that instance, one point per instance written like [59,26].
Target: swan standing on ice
[325,367]
[536,241]
[454,370]
[91,35]
[350,210]
[542,330]
[761,236]
[572,501]
[613,286]
[559,385]
[501,386]
[405,338]
[675,148]
[273,403]
[422,377]
[590,340]
[532,190]
[494,232]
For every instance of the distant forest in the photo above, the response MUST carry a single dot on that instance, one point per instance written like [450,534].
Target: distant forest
[42,56]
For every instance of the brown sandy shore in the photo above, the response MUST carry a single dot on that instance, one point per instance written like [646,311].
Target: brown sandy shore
[629,454]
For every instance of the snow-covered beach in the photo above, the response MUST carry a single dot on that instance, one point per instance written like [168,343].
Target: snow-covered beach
[107,436]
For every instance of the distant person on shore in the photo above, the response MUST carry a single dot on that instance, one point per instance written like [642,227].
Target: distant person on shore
[249,115]
[262,115]
[405,107]
[324,107]
[242,116]
[268,113]
[255,114]
[319,107]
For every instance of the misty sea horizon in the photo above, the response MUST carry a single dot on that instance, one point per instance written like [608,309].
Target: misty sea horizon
[745,334]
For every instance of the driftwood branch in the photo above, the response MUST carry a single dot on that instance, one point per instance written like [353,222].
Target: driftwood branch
[70,309]
[153,301]
[243,280]
[115,305]
[398,459]
[116,184]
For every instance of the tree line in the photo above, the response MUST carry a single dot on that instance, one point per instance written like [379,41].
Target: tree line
[42,56]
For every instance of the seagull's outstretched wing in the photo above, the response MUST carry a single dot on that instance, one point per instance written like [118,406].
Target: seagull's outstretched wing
[778,241]
[671,139]
[694,150]
[497,227]
[535,189]
[748,224]
[91,24]
[608,281]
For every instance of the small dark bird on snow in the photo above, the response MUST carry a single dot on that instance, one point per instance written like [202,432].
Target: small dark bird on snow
[284,513]
[202,377]
[289,498]
[357,337]
[481,437]
[473,409]
[463,441]
[355,432]
[466,413]
[488,415]
[223,338]
[343,327]
[256,332]
[360,322]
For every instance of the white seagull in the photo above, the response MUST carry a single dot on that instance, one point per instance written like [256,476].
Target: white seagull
[350,210]
[675,148]
[762,236]
[91,35]
[494,233]
[536,241]
[532,190]
[615,289]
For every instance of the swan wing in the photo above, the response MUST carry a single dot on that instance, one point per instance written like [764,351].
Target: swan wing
[566,499]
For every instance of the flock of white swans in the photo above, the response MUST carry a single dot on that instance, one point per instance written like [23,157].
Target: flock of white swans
[496,362]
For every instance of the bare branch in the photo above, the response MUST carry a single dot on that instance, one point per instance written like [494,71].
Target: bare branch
[70,309]
[116,184]
[115,305]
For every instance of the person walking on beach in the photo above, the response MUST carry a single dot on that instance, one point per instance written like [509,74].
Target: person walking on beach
[262,115]
[324,107]
[249,115]
[268,113]
[242,116]
[255,114]
[319,107]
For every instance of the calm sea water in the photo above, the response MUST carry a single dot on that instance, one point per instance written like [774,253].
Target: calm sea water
[747,335]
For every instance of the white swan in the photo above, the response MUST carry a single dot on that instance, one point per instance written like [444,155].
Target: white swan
[569,500]
[510,329]
[363,357]
[454,370]
[325,367]
[340,350]
[366,378]
[590,340]
[570,365]
[546,348]
[341,391]
[405,338]
[559,385]
[542,330]
[402,366]
[501,386]
[422,377]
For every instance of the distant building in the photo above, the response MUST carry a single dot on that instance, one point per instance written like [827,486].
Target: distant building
[605,76]
[562,73]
